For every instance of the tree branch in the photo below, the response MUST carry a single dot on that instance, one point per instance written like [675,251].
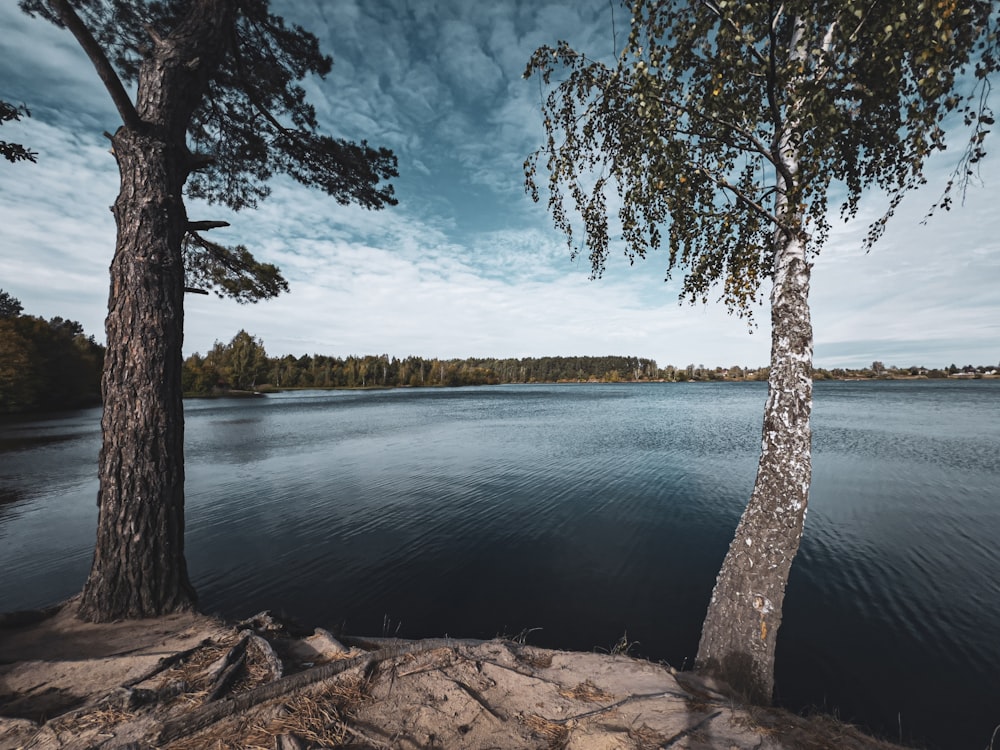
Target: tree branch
[199,160]
[248,90]
[200,226]
[731,24]
[107,73]
[742,195]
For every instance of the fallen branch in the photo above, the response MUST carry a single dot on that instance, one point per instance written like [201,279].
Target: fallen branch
[230,667]
[215,711]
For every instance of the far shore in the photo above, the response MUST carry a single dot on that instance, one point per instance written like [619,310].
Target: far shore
[267,388]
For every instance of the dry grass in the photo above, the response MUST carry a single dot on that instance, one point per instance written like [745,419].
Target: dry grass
[194,673]
[534,658]
[193,670]
[319,717]
[101,720]
[586,691]
[646,738]
[555,735]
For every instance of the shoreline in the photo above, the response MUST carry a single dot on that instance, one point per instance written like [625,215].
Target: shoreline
[268,389]
[188,680]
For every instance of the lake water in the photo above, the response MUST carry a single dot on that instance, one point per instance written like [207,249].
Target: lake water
[586,512]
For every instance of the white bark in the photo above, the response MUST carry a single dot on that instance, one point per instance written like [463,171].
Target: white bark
[739,634]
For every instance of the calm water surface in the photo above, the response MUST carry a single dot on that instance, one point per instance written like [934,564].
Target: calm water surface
[587,511]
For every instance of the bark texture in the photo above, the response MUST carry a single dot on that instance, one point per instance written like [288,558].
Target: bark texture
[739,635]
[139,569]
[740,631]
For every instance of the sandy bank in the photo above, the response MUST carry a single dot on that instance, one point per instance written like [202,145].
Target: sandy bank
[190,681]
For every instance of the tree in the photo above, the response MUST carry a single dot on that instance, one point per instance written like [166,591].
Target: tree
[14,152]
[247,360]
[725,128]
[47,365]
[216,113]
[10,307]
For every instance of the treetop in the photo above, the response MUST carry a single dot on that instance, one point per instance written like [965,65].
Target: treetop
[692,122]
[255,120]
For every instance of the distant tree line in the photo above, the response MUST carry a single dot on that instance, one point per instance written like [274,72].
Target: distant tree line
[243,364]
[45,364]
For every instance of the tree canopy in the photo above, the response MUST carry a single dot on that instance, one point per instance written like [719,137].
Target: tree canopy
[45,364]
[688,123]
[253,122]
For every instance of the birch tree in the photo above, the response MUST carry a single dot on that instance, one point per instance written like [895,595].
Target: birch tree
[716,141]
[217,111]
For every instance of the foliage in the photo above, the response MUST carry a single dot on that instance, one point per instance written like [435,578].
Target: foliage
[691,123]
[230,271]
[47,365]
[725,128]
[10,307]
[14,152]
[254,122]
[220,369]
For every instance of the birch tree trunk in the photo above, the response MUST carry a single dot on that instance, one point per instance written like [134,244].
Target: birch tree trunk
[739,635]
[139,569]
[740,631]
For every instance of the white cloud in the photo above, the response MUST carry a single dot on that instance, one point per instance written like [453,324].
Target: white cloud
[466,264]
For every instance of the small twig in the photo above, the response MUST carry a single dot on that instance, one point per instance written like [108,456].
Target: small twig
[529,675]
[690,730]
[616,704]
[478,698]
[422,670]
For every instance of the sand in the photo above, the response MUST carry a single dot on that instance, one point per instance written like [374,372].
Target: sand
[191,681]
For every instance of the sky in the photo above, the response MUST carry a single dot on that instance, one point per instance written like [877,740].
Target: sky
[466,265]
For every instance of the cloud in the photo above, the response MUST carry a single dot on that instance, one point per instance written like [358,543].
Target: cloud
[466,264]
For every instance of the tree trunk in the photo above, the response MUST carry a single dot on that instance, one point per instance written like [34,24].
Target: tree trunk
[740,631]
[139,569]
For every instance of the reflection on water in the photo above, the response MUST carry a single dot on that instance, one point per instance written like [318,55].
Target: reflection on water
[586,511]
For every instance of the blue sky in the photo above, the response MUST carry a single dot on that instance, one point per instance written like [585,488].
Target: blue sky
[466,265]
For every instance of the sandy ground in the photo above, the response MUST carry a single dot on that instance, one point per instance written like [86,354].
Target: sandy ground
[189,681]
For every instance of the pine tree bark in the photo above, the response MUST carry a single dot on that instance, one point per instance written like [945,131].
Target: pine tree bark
[139,568]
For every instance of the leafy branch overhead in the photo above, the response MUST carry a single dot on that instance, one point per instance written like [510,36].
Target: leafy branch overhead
[687,126]
[254,121]
[14,152]
[231,271]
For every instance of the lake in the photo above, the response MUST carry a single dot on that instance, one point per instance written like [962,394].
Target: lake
[580,513]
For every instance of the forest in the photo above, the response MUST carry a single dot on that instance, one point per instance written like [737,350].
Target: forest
[45,365]
[48,365]
[243,364]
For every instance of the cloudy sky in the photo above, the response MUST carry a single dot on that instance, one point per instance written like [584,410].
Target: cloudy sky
[466,264]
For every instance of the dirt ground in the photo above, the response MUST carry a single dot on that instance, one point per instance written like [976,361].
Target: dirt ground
[188,682]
